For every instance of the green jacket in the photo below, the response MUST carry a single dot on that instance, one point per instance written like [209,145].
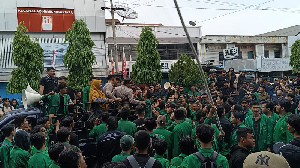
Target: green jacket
[54,100]
[264,138]
[19,158]
[85,96]
[192,161]
[181,129]
[148,108]
[214,143]
[273,120]
[4,152]
[281,132]
[40,160]
[127,126]
[176,161]
[164,162]
[98,130]
[168,136]
[196,93]
[53,165]
[234,140]
[33,150]
[120,157]
[162,112]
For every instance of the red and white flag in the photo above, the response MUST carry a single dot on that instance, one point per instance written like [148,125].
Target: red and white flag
[130,59]
[124,69]
[53,58]
[112,64]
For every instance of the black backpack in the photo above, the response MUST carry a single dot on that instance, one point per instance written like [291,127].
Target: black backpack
[208,162]
[291,153]
[135,164]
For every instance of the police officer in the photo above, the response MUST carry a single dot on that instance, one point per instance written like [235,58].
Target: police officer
[126,93]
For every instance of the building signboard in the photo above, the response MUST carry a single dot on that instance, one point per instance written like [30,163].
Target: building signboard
[46,19]
[231,53]
[276,64]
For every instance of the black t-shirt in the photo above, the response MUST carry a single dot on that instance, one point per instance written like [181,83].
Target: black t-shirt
[49,84]
[140,124]
[142,160]
[61,105]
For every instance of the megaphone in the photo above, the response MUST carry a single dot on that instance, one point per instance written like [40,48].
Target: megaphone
[30,96]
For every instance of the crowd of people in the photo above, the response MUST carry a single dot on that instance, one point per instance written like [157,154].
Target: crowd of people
[233,123]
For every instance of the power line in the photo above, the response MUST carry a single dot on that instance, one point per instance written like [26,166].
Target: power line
[247,7]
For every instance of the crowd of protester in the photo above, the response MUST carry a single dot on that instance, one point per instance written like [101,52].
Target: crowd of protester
[246,123]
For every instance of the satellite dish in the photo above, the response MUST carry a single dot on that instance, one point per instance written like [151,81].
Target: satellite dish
[126,13]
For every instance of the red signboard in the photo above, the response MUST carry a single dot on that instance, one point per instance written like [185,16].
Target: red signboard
[46,19]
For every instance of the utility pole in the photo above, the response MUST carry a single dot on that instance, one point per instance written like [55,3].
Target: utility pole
[115,49]
[114,37]
[199,63]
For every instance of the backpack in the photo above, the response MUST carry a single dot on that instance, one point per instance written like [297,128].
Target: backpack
[208,162]
[291,153]
[8,154]
[135,164]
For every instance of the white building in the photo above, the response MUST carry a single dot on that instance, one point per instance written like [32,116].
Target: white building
[48,20]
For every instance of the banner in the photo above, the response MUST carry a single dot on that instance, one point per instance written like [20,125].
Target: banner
[54,54]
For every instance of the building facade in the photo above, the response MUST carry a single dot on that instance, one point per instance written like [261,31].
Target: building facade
[48,21]
[172,42]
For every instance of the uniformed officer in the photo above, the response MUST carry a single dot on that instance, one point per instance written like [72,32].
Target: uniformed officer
[109,87]
[126,93]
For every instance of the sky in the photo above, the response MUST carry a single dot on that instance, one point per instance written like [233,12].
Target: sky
[217,17]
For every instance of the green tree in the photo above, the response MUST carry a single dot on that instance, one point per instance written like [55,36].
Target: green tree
[28,56]
[147,68]
[295,57]
[79,58]
[185,72]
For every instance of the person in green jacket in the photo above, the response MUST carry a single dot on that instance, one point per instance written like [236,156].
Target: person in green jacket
[126,143]
[41,158]
[124,125]
[193,92]
[101,128]
[9,132]
[160,146]
[245,104]
[85,94]
[19,155]
[187,147]
[54,152]
[181,129]
[260,124]
[37,129]
[205,134]
[237,119]
[267,108]
[281,132]
[161,123]
[54,100]
[148,106]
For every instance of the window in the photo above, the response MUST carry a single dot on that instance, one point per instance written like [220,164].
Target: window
[250,55]
[276,53]
[266,53]
[240,53]
[221,56]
